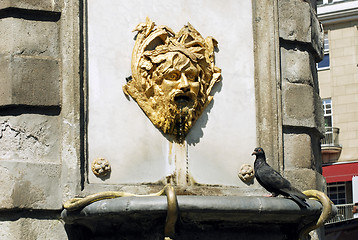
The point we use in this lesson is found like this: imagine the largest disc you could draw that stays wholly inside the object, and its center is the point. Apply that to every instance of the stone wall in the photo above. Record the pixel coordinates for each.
(31, 113)
(301, 46)
(43, 100)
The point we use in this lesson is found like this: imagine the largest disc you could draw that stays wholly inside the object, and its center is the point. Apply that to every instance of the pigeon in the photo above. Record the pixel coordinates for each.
(273, 182)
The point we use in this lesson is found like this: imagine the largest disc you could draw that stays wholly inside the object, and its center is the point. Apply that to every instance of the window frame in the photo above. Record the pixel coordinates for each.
(334, 195)
(326, 53)
(325, 103)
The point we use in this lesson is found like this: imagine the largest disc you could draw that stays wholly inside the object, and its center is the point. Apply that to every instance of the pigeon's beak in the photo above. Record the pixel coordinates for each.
(254, 153)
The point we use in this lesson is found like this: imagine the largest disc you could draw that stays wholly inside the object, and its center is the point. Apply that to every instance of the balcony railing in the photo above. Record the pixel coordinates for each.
(345, 212)
(331, 137)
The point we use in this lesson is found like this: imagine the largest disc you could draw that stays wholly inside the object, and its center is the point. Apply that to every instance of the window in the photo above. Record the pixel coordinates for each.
(324, 64)
(337, 192)
(327, 109)
(331, 136)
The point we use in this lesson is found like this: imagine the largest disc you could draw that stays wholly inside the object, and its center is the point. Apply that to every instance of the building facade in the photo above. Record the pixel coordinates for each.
(338, 80)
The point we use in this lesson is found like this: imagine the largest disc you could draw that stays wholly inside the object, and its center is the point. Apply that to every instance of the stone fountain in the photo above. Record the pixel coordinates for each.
(173, 80)
(170, 156)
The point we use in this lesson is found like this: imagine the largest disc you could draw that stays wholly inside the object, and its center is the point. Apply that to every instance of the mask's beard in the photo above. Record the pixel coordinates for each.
(176, 120)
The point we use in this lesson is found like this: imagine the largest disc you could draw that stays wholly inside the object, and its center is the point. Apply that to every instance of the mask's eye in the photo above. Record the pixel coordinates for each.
(172, 76)
(191, 75)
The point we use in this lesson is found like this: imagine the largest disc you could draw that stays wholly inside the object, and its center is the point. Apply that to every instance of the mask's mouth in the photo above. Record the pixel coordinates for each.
(182, 99)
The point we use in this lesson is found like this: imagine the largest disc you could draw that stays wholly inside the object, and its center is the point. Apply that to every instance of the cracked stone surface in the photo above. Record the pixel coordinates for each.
(32, 138)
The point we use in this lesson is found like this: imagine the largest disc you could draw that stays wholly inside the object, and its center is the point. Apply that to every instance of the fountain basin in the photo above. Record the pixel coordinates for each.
(200, 217)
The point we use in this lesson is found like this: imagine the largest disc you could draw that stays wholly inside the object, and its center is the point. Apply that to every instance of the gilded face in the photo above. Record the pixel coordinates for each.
(180, 83)
(172, 76)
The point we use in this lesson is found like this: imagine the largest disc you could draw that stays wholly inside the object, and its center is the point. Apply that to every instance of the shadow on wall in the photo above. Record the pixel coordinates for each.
(196, 133)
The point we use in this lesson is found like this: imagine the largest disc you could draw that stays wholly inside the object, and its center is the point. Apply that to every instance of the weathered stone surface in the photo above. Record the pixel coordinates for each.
(30, 185)
(305, 179)
(296, 66)
(32, 229)
(317, 38)
(300, 106)
(29, 81)
(295, 20)
(298, 22)
(319, 115)
(47, 5)
(297, 151)
(30, 137)
(24, 37)
(5, 82)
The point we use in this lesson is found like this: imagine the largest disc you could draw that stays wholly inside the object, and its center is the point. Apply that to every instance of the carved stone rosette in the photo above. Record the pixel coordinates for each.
(172, 76)
(246, 173)
(101, 167)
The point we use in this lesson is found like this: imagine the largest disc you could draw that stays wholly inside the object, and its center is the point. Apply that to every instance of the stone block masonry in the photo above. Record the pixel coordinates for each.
(29, 73)
(28, 80)
(298, 23)
(301, 46)
(30, 130)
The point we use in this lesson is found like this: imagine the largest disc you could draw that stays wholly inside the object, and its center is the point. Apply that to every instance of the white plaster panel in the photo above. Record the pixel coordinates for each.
(225, 135)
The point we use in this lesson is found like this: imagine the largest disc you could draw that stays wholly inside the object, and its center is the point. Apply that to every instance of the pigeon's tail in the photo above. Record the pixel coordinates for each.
(299, 201)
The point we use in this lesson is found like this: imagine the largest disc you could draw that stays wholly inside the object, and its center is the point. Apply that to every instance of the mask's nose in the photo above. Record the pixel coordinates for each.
(184, 84)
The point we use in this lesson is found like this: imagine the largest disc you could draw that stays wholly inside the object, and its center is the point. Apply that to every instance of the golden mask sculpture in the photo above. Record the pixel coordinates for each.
(172, 76)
